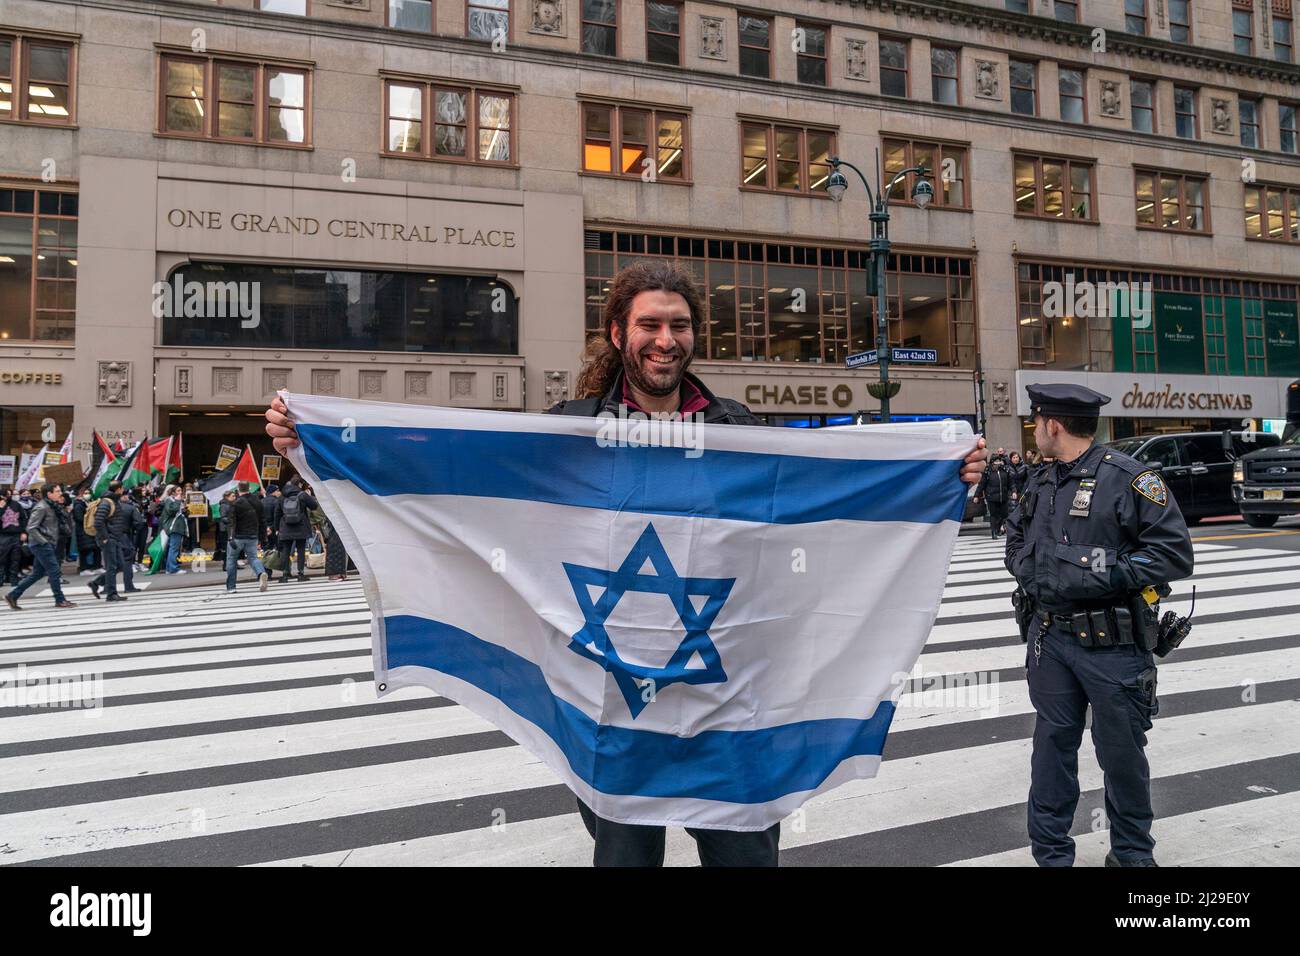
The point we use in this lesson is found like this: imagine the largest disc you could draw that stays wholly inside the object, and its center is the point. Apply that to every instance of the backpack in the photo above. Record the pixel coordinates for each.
(88, 519)
(291, 511)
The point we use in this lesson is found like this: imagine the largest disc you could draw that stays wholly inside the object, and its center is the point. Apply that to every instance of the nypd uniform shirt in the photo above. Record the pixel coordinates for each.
(1083, 538)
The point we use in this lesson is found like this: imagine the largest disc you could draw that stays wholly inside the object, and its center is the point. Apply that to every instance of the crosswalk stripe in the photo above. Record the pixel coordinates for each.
(257, 710)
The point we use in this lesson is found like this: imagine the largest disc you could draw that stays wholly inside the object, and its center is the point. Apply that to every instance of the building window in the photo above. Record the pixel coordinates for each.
(38, 265)
(755, 45)
(1180, 21)
(36, 79)
(600, 27)
(943, 74)
(663, 32)
(1286, 121)
(297, 8)
(236, 101)
(945, 165)
(1171, 201)
(1072, 96)
(414, 15)
(642, 139)
(1063, 341)
(1066, 11)
(1248, 120)
(1282, 43)
(1135, 17)
(1024, 87)
(783, 158)
(1018, 6)
(1141, 94)
(487, 19)
(1273, 212)
(343, 309)
(1051, 188)
(468, 124)
(755, 311)
(1185, 112)
(893, 67)
(1243, 29)
(811, 60)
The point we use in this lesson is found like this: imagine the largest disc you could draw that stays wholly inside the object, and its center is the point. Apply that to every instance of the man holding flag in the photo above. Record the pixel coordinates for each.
(651, 318)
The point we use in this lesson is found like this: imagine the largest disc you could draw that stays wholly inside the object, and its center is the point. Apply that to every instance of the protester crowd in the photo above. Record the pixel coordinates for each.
(51, 531)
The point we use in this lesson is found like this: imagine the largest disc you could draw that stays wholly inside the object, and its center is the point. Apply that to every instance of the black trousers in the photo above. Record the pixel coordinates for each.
(286, 549)
(997, 517)
(1119, 685)
(626, 844)
(11, 556)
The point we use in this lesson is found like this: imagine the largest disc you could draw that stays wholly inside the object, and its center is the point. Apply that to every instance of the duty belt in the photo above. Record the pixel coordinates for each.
(1100, 627)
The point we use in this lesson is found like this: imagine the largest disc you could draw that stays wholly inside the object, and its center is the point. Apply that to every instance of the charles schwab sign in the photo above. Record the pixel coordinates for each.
(1170, 396)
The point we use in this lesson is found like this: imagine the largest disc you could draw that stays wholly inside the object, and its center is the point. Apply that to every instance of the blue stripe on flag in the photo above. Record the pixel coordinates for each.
(741, 766)
(575, 470)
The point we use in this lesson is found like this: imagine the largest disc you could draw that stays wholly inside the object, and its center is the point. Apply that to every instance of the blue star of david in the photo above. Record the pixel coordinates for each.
(593, 641)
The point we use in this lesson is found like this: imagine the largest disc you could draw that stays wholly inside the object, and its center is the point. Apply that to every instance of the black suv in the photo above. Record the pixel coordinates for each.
(1196, 466)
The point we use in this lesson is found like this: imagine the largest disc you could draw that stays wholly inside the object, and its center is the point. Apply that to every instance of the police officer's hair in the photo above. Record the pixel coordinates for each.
(1077, 425)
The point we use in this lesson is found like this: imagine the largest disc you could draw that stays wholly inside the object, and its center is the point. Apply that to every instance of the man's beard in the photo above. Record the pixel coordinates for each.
(659, 382)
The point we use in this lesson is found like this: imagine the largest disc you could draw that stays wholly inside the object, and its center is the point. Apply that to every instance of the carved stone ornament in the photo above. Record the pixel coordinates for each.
(417, 384)
(225, 381)
(1111, 102)
(350, 4)
(1220, 117)
(183, 380)
(114, 383)
(855, 59)
(988, 80)
(500, 392)
(372, 383)
(713, 43)
(548, 18)
(557, 387)
(274, 379)
(324, 381)
(462, 385)
(1001, 398)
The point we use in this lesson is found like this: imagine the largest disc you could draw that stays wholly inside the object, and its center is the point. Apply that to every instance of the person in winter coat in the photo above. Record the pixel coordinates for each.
(293, 526)
(174, 520)
(116, 520)
(13, 524)
(270, 540)
(998, 489)
(44, 525)
(88, 557)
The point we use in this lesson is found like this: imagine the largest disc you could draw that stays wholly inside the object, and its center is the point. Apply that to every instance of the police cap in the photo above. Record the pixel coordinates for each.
(1073, 401)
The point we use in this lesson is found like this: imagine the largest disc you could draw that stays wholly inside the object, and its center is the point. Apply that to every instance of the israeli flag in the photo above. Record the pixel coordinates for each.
(695, 639)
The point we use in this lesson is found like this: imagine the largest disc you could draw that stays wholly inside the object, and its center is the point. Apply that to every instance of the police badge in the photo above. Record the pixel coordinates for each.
(1152, 487)
(1082, 503)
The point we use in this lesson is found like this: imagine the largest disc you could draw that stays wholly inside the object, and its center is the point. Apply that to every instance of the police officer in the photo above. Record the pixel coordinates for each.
(1094, 529)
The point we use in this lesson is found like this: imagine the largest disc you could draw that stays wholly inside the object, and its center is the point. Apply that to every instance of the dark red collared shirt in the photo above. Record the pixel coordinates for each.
(693, 399)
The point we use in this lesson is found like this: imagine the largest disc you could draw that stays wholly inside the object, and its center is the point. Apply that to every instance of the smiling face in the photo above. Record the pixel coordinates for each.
(659, 343)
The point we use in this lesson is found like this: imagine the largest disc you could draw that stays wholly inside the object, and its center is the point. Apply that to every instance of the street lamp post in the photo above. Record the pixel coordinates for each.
(922, 193)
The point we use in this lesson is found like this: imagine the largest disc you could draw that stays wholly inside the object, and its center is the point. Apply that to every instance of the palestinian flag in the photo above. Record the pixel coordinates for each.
(113, 470)
(157, 454)
(158, 553)
(218, 483)
(173, 468)
(65, 453)
(135, 466)
(101, 458)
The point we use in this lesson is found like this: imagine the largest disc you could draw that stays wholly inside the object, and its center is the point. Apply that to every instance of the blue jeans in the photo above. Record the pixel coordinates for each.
(236, 547)
(46, 565)
(174, 544)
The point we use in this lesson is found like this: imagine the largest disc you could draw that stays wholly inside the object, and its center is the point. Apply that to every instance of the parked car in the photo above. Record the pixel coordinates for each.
(1266, 480)
(1196, 466)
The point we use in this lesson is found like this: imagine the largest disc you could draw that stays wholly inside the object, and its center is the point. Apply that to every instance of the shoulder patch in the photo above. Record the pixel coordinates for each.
(1151, 486)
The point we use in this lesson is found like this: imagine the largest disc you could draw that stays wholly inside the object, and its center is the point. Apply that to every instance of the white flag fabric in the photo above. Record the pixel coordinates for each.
(698, 640)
